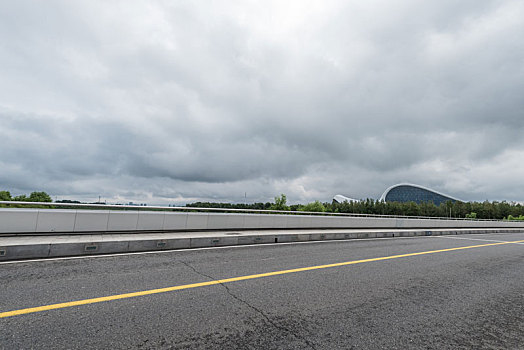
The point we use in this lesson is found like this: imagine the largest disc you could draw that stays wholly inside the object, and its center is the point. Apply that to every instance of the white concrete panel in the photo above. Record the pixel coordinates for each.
(91, 220)
(439, 223)
(457, 224)
(315, 222)
(175, 221)
(122, 220)
(410, 223)
(338, 222)
(279, 221)
(217, 221)
(56, 220)
(466, 224)
(359, 222)
(293, 221)
(421, 224)
(266, 221)
(196, 221)
(251, 221)
(304, 221)
(435, 223)
(235, 221)
(481, 224)
(399, 223)
(330, 221)
(335, 221)
(389, 223)
(18, 220)
(322, 221)
(353, 222)
(341, 222)
(150, 220)
(327, 221)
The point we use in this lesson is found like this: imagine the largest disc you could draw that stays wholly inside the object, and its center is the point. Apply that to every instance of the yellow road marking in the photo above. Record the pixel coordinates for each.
(228, 280)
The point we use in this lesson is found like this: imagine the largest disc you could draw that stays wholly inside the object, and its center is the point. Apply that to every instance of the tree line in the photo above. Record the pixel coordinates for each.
(33, 197)
(473, 210)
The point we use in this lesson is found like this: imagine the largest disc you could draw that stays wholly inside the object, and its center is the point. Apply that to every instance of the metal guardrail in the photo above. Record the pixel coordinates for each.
(228, 210)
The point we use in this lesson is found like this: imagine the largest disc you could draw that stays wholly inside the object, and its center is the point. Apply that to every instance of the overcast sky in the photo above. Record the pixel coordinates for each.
(166, 102)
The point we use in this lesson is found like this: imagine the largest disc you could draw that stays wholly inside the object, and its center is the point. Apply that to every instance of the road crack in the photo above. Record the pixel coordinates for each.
(252, 307)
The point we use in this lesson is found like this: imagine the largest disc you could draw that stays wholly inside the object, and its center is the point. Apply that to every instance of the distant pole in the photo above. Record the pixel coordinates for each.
(98, 199)
(245, 197)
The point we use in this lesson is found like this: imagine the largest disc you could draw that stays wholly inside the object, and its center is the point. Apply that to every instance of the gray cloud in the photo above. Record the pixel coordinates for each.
(170, 102)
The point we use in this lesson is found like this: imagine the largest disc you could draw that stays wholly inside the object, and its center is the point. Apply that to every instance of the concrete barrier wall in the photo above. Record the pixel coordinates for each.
(65, 220)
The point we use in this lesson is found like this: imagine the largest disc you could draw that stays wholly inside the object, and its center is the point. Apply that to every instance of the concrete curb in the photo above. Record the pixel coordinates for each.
(35, 247)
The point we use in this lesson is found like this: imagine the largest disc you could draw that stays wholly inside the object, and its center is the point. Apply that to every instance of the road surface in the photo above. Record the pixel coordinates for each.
(442, 292)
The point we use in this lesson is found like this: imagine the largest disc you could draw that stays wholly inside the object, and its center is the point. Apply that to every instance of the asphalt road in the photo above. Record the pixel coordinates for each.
(455, 299)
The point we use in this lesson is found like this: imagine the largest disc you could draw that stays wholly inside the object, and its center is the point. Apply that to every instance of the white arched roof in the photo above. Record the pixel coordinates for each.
(340, 198)
(383, 197)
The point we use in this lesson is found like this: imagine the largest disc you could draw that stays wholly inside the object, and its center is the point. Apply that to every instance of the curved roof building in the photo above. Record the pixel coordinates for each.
(341, 199)
(406, 192)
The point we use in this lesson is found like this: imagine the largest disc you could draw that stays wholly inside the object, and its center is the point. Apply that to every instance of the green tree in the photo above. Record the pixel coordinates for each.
(411, 209)
(20, 198)
(471, 215)
(39, 197)
(5, 196)
(314, 206)
(280, 203)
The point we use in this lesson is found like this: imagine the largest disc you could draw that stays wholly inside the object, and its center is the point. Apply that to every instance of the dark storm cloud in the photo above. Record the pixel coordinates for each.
(172, 101)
